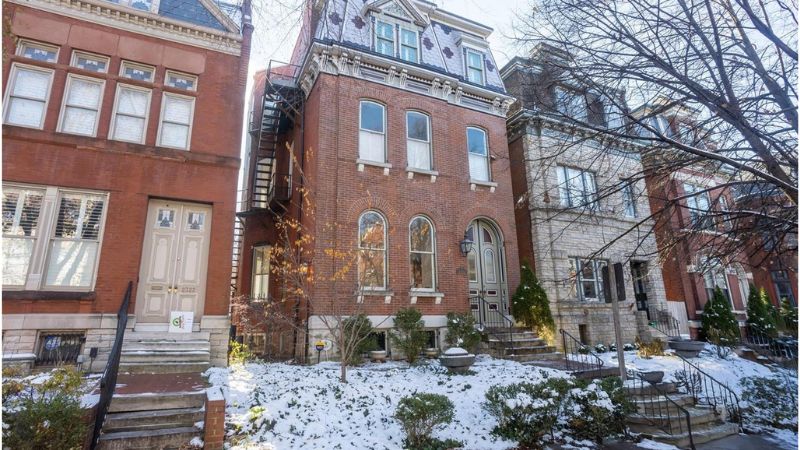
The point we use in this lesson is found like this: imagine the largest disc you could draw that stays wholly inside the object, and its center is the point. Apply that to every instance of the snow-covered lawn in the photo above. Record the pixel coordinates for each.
(312, 409)
(300, 407)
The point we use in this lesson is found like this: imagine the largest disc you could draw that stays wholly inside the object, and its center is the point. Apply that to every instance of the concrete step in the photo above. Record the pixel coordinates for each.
(706, 433)
(156, 401)
(699, 417)
(654, 404)
(591, 374)
(529, 350)
(533, 357)
(154, 419)
(495, 343)
(662, 388)
(552, 356)
(166, 345)
(167, 438)
(131, 336)
(504, 336)
(158, 356)
(163, 366)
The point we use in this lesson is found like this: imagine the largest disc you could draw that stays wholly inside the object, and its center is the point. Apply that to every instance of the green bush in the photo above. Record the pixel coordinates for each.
(409, 334)
(46, 415)
(598, 410)
(769, 402)
(461, 331)
(358, 328)
(759, 312)
(719, 324)
(788, 315)
(239, 353)
(419, 415)
(530, 305)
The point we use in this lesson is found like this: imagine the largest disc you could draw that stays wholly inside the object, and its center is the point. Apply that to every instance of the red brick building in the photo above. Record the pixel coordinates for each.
(121, 139)
(394, 112)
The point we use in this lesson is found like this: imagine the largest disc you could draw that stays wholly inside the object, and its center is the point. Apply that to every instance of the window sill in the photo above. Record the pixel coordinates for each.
(413, 170)
(363, 162)
(48, 295)
(473, 184)
(386, 294)
(415, 294)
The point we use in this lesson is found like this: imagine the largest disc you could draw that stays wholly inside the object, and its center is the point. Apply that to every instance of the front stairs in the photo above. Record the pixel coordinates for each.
(658, 418)
(517, 344)
(161, 352)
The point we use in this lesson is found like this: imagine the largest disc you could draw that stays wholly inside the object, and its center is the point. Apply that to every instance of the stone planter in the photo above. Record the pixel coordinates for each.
(686, 347)
(457, 360)
(654, 376)
(377, 356)
(431, 353)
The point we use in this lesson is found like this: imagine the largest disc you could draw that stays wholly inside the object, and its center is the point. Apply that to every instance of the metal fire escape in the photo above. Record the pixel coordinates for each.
(268, 191)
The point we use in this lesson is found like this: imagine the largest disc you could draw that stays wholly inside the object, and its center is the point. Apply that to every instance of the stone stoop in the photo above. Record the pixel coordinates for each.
(517, 344)
(654, 413)
(155, 411)
(161, 352)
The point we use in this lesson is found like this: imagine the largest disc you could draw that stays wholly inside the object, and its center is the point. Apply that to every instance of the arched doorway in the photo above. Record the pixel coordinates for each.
(487, 275)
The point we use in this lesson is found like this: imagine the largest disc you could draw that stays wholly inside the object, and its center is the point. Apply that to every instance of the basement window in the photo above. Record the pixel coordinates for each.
(55, 348)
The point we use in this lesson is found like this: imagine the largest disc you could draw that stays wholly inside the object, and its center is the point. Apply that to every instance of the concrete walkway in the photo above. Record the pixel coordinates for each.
(736, 442)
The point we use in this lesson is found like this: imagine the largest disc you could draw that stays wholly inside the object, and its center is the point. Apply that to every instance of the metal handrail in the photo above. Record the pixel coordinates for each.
(649, 398)
(766, 345)
(707, 390)
(579, 355)
(108, 382)
(663, 321)
(490, 327)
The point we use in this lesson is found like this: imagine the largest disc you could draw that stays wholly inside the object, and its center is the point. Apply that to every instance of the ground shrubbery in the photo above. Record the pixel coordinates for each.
(760, 312)
(461, 331)
(769, 402)
(648, 350)
(719, 324)
(43, 412)
(530, 305)
(409, 333)
(239, 353)
(419, 415)
(531, 414)
(358, 328)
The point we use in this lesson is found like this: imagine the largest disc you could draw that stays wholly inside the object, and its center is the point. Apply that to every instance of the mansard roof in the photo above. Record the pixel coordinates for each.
(444, 36)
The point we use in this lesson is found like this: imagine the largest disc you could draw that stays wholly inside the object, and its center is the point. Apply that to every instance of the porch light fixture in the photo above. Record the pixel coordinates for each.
(465, 245)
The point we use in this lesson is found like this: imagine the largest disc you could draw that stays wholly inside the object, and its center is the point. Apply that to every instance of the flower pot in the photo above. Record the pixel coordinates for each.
(431, 353)
(457, 360)
(377, 356)
(686, 347)
(654, 376)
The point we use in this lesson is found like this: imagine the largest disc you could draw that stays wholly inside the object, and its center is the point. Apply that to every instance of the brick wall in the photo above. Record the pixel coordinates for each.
(214, 420)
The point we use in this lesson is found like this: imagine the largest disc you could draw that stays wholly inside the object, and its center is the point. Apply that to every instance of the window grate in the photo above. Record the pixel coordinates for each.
(55, 348)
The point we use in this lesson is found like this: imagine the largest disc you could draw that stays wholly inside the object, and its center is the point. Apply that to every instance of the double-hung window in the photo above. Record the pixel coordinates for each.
(418, 140)
(371, 251)
(131, 110)
(51, 244)
(260, 282)
(478, 151)
(577, 188)
(384, 38)
(176, 121)
(783, 286)
(372, 132)
(715, 277)
(81, 110)
(27, 94)
(474, 66)
(699, 206)
(589, 279)
(409, 45)
(571, 104)
(629, 199)
(422, 248)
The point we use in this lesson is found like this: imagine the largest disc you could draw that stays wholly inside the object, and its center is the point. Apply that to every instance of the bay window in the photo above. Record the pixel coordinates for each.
(422, 246)
(418, 140)
(176, 121)
(81, 110)
(372, 132)
(371, 251)
(577, 188)
(478, 154)
(26, 96)
(131, 110)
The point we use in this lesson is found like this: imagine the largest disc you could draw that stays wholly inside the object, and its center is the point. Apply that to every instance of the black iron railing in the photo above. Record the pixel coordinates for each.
(579, 356)
(768, 346)
(663, 321)
(707, 390)
(108, 382)
(654, 405)
(492, 320)
(55, 349)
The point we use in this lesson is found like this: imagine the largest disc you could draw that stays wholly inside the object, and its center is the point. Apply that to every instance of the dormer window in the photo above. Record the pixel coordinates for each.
(571, 104)
(475, 67)
(409, 45)
(384, 38)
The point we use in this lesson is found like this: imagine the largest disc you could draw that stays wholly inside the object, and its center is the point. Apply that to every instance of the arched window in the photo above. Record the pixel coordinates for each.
(418, 140)
(372, 132)
(372, 251)
(422, 245)
(478, 154)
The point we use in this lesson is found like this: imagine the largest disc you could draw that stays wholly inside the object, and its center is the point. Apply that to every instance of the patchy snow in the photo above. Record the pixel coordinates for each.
(653, 445)
(18, 356)
(300, 407)
(784, 439)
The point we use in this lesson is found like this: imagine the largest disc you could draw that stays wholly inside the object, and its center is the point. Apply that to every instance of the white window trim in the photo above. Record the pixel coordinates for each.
(161, 120)
(395, 44)
(385, 149)
(488, 157)
(563, 170)
(597, 280)
(429, 169)
(400, 43)
(267, 250)
(629, 188)
(434, 267)
(76, 53)
(385, 250)
(183, 75)
(61, 116)
(480, 53)
(36, 238)
(112, 129)
(10, 87)
(134, 65)
(46, 227)
(28, 42)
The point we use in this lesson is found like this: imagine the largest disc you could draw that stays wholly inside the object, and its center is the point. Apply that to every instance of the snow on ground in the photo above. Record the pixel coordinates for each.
(312, 409)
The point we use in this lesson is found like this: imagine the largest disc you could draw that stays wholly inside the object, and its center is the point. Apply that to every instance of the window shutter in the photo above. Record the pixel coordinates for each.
(606, 283)
(619, 280)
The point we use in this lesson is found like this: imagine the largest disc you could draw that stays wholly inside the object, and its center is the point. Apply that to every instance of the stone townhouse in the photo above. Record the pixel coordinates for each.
(394, 111)
(121, 140)
(692, 230)
(577, 197)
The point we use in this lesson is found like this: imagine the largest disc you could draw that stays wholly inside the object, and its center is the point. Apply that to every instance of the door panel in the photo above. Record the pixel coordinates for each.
(486, 273)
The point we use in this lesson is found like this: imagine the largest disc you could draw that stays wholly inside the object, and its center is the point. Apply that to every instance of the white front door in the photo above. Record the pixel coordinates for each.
(172, 276)
(486, 275)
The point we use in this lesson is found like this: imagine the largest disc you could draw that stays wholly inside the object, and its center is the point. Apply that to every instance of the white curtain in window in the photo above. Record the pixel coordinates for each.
(84, 93)
(419, 155)
(132, 102)
(71, 263)
(31, 84)
(16, 256)
(80, 111)
(131, 111)
(175, 122)
(371, 146)
(79, 121)
(27, 99)
(129, 128)
(478, 167)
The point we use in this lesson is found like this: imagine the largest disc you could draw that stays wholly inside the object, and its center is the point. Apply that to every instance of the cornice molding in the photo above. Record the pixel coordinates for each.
(338, 60)
(140, 22)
